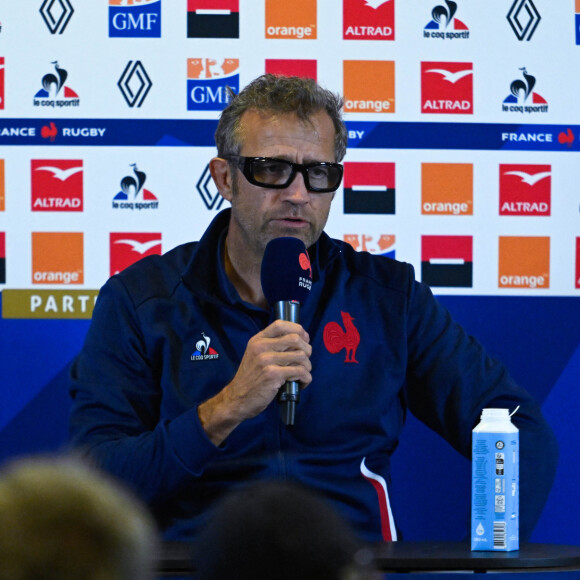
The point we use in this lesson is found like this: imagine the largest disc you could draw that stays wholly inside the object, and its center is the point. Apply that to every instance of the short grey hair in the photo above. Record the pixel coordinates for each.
(280, 94)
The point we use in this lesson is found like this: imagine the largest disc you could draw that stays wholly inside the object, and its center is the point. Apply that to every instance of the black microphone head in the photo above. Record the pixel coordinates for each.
(286, 272)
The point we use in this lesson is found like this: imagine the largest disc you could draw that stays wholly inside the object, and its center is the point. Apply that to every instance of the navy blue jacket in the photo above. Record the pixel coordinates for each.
(169, 332)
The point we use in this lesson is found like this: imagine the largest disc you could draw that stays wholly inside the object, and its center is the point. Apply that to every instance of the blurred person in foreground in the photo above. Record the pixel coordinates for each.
(281, 530)
(60, 520)
(174, 390)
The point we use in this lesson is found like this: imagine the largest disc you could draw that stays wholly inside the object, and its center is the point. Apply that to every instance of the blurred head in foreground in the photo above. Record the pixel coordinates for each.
(278, 530)
(61, 520)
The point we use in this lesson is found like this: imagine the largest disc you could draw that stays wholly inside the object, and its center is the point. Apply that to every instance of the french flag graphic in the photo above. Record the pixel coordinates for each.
(388, 528)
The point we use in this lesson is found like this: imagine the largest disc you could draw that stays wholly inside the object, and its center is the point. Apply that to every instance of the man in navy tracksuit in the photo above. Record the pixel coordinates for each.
(175, 388)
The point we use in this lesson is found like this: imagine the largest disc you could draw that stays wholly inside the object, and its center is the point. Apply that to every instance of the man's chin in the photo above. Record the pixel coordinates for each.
(306, 235)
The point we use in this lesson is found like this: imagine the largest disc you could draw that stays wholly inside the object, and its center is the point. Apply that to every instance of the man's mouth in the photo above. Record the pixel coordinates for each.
(291, 219)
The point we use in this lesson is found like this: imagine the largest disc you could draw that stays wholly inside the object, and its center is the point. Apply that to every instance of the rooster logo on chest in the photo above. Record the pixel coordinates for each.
(336, 338)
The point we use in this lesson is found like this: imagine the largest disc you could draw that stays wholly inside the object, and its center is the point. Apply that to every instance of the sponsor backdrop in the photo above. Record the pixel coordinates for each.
(463, 159)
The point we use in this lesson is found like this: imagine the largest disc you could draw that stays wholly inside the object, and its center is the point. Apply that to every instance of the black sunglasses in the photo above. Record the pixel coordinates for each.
(319, 176)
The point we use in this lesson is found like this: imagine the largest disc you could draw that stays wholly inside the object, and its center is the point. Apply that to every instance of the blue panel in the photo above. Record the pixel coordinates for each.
(537, 337)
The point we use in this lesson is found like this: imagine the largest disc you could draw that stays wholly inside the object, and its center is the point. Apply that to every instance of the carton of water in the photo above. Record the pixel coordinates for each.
(495, 483)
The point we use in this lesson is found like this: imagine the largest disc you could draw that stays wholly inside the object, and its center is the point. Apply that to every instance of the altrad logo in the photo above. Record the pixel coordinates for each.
(368, 20)
(127, 248)
(57, 185)
(525, 189)
(447, 87)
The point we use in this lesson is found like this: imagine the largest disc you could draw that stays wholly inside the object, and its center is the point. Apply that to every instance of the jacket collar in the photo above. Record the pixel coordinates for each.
(205, 272)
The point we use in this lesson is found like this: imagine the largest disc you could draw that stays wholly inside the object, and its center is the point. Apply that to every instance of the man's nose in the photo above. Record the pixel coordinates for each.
(296, 192)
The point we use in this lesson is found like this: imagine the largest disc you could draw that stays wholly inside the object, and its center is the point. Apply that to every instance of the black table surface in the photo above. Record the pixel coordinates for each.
(175, 557)
(455, 556)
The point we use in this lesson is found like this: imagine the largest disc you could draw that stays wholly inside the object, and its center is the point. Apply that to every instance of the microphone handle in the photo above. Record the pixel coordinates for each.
(289, 393)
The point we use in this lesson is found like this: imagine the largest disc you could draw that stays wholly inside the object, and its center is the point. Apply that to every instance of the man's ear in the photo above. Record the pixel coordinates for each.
(222, 177)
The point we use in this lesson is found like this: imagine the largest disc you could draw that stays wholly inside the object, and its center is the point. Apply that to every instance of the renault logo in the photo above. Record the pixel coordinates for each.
(56, 14)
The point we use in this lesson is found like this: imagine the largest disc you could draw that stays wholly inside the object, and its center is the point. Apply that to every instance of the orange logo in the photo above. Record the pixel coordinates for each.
(447, 189)
(296, 19)
(2, 187)
(57, 258)
(369, 86)
(524, 262)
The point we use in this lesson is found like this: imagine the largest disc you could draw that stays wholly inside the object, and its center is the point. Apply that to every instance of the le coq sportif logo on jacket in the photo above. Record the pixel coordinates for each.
(203, 350)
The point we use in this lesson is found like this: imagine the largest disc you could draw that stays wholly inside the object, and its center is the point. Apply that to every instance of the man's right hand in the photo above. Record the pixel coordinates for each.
(279, 353)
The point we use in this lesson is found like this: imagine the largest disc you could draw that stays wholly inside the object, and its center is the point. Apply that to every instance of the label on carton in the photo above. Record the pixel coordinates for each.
(495, 492)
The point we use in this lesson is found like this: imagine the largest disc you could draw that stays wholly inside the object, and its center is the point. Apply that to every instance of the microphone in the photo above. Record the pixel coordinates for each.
(286, 277)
